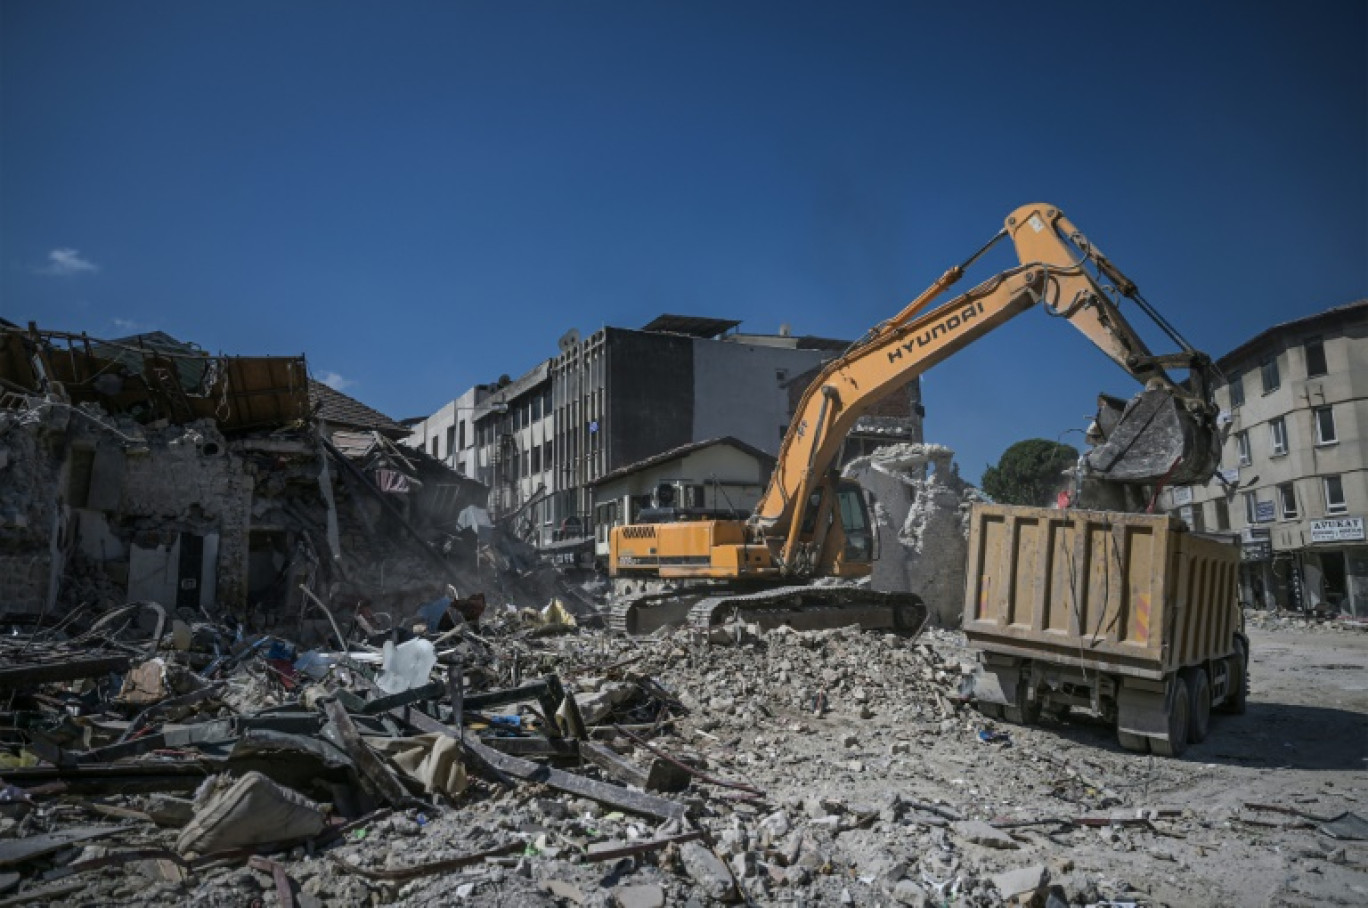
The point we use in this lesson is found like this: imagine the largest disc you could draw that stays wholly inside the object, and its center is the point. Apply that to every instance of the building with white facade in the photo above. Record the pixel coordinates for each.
(1295, 479)
(618, 397)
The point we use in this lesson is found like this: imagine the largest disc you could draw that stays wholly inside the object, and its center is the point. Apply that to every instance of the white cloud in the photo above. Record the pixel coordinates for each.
(128, 326)
(335, 381)
(64, 262)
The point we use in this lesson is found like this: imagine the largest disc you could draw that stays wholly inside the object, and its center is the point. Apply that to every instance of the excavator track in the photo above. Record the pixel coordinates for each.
(799, 607)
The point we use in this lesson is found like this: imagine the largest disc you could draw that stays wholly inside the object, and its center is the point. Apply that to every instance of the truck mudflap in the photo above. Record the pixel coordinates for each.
(798, 607)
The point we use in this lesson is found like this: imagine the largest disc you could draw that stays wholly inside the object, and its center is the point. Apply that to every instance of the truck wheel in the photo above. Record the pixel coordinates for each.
(1237, 697)
(1199, 710)
(1137, 743)
(1024, 711)
(1177, 723)
(991, 710)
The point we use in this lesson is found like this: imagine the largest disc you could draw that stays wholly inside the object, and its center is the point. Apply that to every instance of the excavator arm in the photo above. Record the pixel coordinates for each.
(1166, 434)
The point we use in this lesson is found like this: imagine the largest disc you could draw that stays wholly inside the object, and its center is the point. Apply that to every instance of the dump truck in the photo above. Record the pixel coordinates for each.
(810, 525)
(1130, 616)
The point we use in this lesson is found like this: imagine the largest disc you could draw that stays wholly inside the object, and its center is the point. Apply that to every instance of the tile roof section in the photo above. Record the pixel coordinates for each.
(684, 450)
(338, 409)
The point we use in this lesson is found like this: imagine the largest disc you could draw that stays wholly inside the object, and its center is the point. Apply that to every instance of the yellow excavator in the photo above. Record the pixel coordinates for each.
(810, 531)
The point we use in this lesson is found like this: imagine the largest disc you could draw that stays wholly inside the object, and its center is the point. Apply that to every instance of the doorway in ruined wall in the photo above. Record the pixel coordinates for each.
(179, 570)
(268, 556)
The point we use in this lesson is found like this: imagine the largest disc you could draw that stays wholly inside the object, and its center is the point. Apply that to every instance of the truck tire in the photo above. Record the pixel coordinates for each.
(1199, 707)
(1179, 706)
(1025, 711)
(1238, 662)
(1137, 743)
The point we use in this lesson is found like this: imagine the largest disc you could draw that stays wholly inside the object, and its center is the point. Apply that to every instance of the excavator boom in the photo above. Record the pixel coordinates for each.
(1165, 435)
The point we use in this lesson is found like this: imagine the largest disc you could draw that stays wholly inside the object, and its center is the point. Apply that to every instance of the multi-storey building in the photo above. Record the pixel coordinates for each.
(620, 396)
(1295, 483)
(449, 434)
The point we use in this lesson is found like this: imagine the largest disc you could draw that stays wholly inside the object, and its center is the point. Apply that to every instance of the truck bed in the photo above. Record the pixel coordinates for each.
(1135, 595)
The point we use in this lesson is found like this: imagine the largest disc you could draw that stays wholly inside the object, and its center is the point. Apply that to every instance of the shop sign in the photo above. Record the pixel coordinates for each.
(1182, 495)
(1337, 529)
(1260, 550)
(1254, 534)
(1264, 512)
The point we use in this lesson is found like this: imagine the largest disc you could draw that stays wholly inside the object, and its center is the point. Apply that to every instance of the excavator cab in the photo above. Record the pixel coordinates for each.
(855, 522)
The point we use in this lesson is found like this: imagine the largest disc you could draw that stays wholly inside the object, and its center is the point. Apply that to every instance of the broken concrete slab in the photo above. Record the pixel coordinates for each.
(1022, 883)
(648, 896)
(979, 833)
(708, 872)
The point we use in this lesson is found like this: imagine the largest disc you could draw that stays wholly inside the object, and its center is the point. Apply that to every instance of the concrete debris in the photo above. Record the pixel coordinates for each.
(648, 896)
(921, 512)
(980, 833)
(708, 872)
(1021, 884)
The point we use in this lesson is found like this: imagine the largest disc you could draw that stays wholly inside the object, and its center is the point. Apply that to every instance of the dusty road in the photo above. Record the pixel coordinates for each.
(1302, 745)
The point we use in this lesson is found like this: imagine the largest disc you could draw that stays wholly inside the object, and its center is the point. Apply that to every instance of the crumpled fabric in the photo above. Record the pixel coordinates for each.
(432, 760)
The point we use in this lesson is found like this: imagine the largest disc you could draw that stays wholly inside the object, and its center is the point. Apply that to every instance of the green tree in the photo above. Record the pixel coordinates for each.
(1030, 472)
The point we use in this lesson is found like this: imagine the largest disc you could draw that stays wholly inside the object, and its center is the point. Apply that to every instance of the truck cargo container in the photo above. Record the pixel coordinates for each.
(1130, 616)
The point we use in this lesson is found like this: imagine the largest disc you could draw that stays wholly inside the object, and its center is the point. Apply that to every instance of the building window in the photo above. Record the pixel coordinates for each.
(462, 434)
(1269, 371)
(1242, 448)
(1222, 520)
(1287, 498)
(1325, 426)
(536, 458)
(1315, 357)
(1236, 390)
(1251, 508)
(1334, 495)
(451, 440)
(1277, 431)
(434, 446)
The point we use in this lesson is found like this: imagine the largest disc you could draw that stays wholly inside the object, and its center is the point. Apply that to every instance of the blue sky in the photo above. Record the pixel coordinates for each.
(421, 196)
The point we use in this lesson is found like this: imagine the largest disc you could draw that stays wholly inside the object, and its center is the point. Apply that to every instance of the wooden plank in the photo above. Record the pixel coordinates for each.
(613, 763)
(613, 795)
(63, 670)
(374, 773)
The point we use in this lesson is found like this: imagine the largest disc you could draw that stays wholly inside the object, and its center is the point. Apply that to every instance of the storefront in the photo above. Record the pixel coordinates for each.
(1334, 567)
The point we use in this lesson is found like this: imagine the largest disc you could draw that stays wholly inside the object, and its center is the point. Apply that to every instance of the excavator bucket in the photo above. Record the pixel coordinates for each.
(1152, 438)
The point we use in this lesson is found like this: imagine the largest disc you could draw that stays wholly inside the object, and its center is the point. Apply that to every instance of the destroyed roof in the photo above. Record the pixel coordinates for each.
(690, 325)
(338, 409)
(1332, 317)
(155, 376)
(683, 451)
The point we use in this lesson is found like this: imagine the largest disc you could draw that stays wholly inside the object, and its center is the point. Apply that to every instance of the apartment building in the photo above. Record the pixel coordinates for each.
(618, 397)
(1295, 483)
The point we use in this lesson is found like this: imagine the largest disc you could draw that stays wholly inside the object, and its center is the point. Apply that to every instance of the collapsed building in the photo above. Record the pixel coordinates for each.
(144, 468)
(920, 515)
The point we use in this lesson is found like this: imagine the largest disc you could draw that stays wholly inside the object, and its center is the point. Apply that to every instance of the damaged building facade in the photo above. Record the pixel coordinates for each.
(144, 469)
(622, 396)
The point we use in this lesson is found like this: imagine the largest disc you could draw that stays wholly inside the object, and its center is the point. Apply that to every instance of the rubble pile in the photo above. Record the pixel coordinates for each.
(489, 755)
